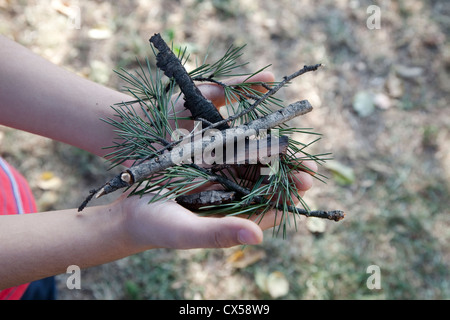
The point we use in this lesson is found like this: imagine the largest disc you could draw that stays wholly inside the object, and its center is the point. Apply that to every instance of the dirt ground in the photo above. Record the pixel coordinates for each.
(381, 103)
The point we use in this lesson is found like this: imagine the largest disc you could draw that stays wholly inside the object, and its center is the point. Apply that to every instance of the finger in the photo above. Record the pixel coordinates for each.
(168, 225)
(208, 232)
(216, 94)
(303, 181)
(310, 166)
(268, 220)
(192, 231)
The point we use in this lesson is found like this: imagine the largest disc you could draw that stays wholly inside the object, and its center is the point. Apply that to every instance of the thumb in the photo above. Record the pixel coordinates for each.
(208, 232)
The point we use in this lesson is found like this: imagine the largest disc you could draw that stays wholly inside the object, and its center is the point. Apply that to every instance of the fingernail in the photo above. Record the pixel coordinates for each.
(246, 237)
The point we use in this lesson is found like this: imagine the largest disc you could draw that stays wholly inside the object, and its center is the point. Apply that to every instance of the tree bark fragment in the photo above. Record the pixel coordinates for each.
(205, 198)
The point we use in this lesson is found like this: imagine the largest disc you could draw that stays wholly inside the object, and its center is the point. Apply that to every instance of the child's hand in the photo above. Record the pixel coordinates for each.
(169, 225)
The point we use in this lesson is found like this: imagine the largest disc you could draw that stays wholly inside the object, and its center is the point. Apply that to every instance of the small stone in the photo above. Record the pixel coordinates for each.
(382, 101)
(315, 225)
(363, 103)
(394, 86)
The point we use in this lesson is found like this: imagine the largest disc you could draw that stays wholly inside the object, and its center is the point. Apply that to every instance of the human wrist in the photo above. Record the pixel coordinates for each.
(132, 223)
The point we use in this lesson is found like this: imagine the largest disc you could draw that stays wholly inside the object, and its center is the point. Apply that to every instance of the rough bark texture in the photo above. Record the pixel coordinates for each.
(195, 102)
(205, 198)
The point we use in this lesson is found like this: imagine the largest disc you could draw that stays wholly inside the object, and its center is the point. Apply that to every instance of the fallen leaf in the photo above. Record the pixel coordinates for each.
(315, 225)
(394, 86)
(382, 101)
(63, 8)
(274, 283)
(47, 200)
(49, 181)
(277, 284)
(260, 280)
(99, 71)
(243, 258)
(363, 103)
(100, 33)
(235, 256)
(406, 72)
(342, 174)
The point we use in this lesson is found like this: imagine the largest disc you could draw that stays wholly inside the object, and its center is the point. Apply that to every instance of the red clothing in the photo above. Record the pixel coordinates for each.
(15, 198)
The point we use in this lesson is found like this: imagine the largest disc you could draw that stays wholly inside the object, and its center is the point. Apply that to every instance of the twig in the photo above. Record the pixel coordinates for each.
(185, 149)
(188, 150)
(224, 122)
(335, 215)
(195, 102)
(210, 197)
(269, 93)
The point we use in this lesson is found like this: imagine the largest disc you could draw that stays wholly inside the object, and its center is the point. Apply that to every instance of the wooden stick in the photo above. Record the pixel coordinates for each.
(195, 102)
(185, 151)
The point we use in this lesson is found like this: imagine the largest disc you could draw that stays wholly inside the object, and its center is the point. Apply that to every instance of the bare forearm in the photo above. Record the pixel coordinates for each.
(40, 97)
(35, 246)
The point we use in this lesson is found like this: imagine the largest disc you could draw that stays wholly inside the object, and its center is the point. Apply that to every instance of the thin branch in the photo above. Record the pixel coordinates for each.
(269, 93)
(188, 150)
(211, 125)
(210, 197)
(195, 102)
(335, 215)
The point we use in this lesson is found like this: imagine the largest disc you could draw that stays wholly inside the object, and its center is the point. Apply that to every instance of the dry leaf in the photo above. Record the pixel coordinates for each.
(342, 174)
(315, 225)
(244, 258)
(235, 256)
(100, 33)
(99, 72)
(363, 103)
(382, 101)
(274, 283)
(277, 284)
(49, 181)
(406, 72)
(394, 86)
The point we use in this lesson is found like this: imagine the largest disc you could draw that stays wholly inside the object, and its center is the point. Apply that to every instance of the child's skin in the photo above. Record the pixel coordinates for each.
(40, 97)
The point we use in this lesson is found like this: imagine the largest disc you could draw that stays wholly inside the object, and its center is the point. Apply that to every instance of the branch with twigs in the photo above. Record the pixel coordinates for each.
(170, 166)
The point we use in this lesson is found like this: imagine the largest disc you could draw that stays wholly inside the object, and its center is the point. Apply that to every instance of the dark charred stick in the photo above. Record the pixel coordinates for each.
(335, 215)
(88, 198)
(195, 102)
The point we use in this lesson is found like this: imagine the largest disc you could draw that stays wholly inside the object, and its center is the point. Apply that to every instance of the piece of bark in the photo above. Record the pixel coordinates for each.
(335, 215)
(205, 198)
